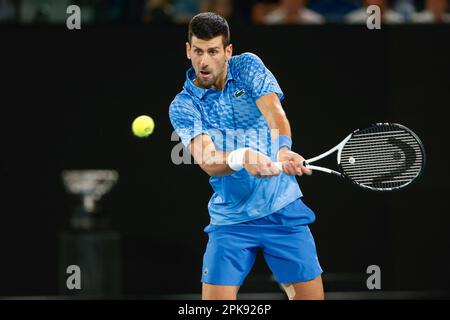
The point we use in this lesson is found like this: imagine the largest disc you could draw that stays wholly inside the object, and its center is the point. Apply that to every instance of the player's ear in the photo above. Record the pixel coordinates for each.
(228, 51)
(188, 48)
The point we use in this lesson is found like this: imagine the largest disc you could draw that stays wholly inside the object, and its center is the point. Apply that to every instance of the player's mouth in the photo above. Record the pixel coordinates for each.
(205, 74)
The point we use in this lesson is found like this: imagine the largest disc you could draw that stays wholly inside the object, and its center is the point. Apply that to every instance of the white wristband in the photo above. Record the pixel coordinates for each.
(235, 159)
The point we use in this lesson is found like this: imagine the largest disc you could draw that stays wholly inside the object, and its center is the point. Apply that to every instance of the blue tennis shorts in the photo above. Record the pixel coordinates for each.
(284, 238)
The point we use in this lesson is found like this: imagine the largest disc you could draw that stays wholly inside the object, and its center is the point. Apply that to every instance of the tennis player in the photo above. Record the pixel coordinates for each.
(230, 117)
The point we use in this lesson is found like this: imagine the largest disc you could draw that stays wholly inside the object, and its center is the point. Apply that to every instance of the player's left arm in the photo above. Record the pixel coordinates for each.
(272, 110)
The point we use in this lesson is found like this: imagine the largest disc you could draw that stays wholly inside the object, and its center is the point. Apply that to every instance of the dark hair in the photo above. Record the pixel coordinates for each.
(208, 25)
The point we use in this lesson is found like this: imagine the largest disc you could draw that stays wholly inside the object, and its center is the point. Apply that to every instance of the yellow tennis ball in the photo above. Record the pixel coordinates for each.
(143, 126)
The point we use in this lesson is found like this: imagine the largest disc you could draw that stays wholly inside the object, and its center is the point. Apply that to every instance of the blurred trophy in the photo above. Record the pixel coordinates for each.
(90, 244)
(90, 186)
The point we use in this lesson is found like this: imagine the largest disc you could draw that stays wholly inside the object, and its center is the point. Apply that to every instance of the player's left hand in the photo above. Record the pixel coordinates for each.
(292, 163)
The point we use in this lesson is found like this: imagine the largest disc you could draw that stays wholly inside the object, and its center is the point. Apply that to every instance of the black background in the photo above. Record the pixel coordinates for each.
(68, 99)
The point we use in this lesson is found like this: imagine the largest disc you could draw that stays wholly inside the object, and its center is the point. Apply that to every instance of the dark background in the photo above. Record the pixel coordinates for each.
(68, 99)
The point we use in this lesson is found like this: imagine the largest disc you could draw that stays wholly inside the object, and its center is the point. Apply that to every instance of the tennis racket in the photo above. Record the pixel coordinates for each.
(382, 157)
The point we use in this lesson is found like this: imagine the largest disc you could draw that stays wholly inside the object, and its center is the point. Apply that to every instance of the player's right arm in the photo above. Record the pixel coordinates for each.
(217, 163)
(187, 122)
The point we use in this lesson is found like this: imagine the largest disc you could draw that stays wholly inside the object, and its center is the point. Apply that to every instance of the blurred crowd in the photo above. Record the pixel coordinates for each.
(269, 12)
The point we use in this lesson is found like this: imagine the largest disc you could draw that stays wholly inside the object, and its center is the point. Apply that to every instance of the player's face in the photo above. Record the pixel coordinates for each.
(209, 60)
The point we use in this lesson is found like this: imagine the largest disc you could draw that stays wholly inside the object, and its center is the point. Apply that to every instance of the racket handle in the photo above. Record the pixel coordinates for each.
(279, 165)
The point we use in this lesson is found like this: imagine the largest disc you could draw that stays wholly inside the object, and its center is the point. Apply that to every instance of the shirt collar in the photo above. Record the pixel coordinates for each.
(200, 92)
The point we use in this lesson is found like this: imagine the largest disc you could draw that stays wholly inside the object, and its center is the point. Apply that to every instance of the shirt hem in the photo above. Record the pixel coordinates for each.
(257, 217)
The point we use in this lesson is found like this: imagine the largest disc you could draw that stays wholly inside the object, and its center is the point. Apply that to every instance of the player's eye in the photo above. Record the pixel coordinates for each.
(198, 51)
(213, 52)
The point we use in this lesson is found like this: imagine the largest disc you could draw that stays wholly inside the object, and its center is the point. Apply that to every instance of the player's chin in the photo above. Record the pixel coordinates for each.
(206, 84)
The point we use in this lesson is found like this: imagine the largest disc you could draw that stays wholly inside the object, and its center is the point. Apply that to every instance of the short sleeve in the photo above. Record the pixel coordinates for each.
(258, 78)
(186, 120)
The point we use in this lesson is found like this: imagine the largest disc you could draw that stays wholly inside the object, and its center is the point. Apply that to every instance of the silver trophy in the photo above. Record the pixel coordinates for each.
(90, 186)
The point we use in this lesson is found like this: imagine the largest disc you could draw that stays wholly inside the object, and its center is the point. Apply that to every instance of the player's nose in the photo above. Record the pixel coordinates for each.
(204, 63)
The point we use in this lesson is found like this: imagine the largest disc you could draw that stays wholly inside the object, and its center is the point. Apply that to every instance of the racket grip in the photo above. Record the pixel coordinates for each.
(279, 165)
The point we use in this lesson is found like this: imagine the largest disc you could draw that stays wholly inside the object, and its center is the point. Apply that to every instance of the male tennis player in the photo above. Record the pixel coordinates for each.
(235, 100)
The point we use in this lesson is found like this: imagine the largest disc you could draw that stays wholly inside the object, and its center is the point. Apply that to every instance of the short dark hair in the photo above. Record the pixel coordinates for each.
(208, 25)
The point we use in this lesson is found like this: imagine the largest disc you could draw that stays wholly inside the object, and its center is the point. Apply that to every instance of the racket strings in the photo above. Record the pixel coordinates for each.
(382, 157)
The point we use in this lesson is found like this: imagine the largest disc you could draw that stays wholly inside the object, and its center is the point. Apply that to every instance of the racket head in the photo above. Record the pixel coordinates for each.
(382, 157)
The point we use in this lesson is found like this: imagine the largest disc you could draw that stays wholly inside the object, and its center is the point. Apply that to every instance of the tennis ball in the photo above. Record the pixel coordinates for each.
(143, 126)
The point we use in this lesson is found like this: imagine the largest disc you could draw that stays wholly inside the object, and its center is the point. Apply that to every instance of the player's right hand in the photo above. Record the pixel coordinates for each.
(260, 165)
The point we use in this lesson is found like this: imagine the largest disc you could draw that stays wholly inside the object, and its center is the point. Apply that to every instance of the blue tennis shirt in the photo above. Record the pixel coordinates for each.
(233, 120)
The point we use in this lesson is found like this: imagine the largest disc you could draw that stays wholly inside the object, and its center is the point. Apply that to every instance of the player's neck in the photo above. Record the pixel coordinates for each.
(221, 83)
